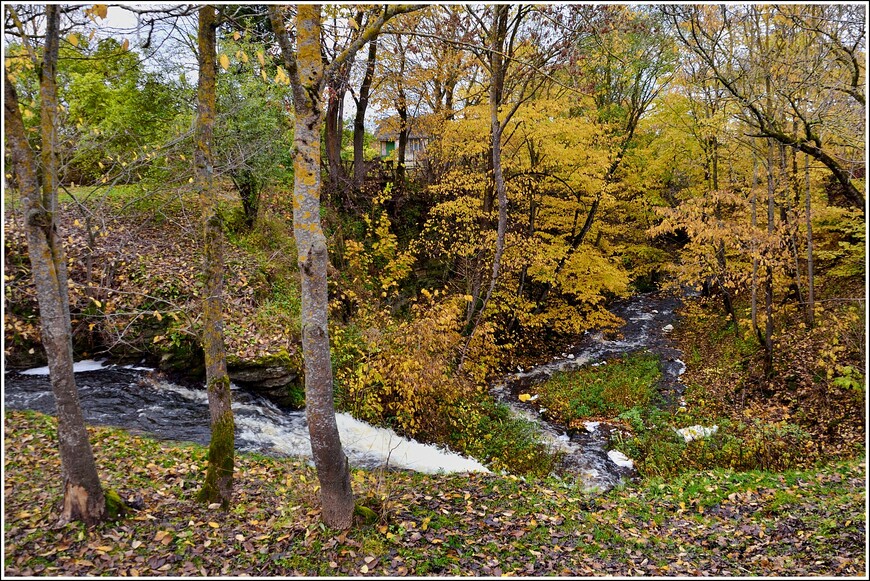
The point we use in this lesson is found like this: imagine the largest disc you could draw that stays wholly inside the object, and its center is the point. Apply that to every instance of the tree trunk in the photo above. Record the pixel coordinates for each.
(83, 497)
(793, 269)
(249, 187)
(811, 301)
(754, 202)
(768, 267)
(496, 87)
(359, 130)
(329, 458)
(720, 245)
(306, 69)
(335, 129)
(402, 110)
(218, 485)
(402, 147)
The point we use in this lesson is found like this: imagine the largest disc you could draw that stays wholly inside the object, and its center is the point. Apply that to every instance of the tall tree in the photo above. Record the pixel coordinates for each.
(305, 66)
(83, 497)
(218, 485)
(720, 36)
(337, 84)
(811, 296)
(251, 142)
(362, 104)
(507, 49)
(626, 61)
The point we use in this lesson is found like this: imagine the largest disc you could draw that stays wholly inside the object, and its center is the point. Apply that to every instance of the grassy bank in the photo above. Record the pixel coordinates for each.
(712, 522)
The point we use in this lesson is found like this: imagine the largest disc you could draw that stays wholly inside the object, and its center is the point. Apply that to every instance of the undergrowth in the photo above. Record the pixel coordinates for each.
(809, 411)
(602, 391)
(716, 522)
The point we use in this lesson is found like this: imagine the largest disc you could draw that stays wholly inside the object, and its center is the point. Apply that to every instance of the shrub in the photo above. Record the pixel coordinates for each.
(403, 374)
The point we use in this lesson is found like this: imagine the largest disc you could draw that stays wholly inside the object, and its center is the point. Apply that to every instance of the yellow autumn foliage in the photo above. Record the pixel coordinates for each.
(403, 374)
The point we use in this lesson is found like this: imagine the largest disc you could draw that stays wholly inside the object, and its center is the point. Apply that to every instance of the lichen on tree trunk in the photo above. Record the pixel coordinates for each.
(329, 458)
(306, 71)
(218, 486)
(83, 493)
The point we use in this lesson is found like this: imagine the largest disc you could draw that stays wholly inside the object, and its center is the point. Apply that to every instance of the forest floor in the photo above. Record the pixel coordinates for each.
(718, 522)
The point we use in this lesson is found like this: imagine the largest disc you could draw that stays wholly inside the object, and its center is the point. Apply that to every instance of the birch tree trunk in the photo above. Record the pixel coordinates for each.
(218, 486)
(329, 458)
(83, 497)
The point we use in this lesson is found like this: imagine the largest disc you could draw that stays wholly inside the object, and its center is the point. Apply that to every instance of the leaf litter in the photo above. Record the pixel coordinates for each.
(706, 523)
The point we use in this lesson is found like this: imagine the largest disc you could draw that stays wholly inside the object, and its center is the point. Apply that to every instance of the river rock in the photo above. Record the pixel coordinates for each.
(696, 432)
(279, 383)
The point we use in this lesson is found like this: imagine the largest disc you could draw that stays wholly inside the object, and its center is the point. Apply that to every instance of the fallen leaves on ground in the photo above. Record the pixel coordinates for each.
(707, 523)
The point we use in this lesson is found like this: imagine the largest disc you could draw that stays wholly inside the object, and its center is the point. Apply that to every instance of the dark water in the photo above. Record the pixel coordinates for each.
(586, 452)
(142, 401)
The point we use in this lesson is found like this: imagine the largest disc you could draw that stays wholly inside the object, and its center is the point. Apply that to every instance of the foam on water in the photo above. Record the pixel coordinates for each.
(170, 410)
(266, 436)
(620, 459)
(366, 440)
(78, 367)
(197, 395)
(262, 425)
(86, 365)
(697, 432)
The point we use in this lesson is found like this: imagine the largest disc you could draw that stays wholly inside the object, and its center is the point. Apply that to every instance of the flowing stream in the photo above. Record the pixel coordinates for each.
(648, 319)
(143, 401)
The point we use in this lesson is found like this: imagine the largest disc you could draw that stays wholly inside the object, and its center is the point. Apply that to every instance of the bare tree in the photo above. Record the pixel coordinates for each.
(720, 36)
(83, 497)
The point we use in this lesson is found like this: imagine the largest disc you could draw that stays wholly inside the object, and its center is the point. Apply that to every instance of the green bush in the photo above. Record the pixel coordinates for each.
(488, 431)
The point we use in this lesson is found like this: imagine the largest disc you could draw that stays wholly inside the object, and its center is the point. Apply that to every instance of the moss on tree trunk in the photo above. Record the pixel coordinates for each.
(218, 485)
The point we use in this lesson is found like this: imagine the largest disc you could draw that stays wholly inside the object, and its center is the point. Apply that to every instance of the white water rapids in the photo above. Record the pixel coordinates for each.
(129, 397)
(136, 399)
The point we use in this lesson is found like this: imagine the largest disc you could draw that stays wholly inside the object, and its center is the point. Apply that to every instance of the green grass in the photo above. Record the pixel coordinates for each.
(89, 195)
(488, 431)
(603, 391)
